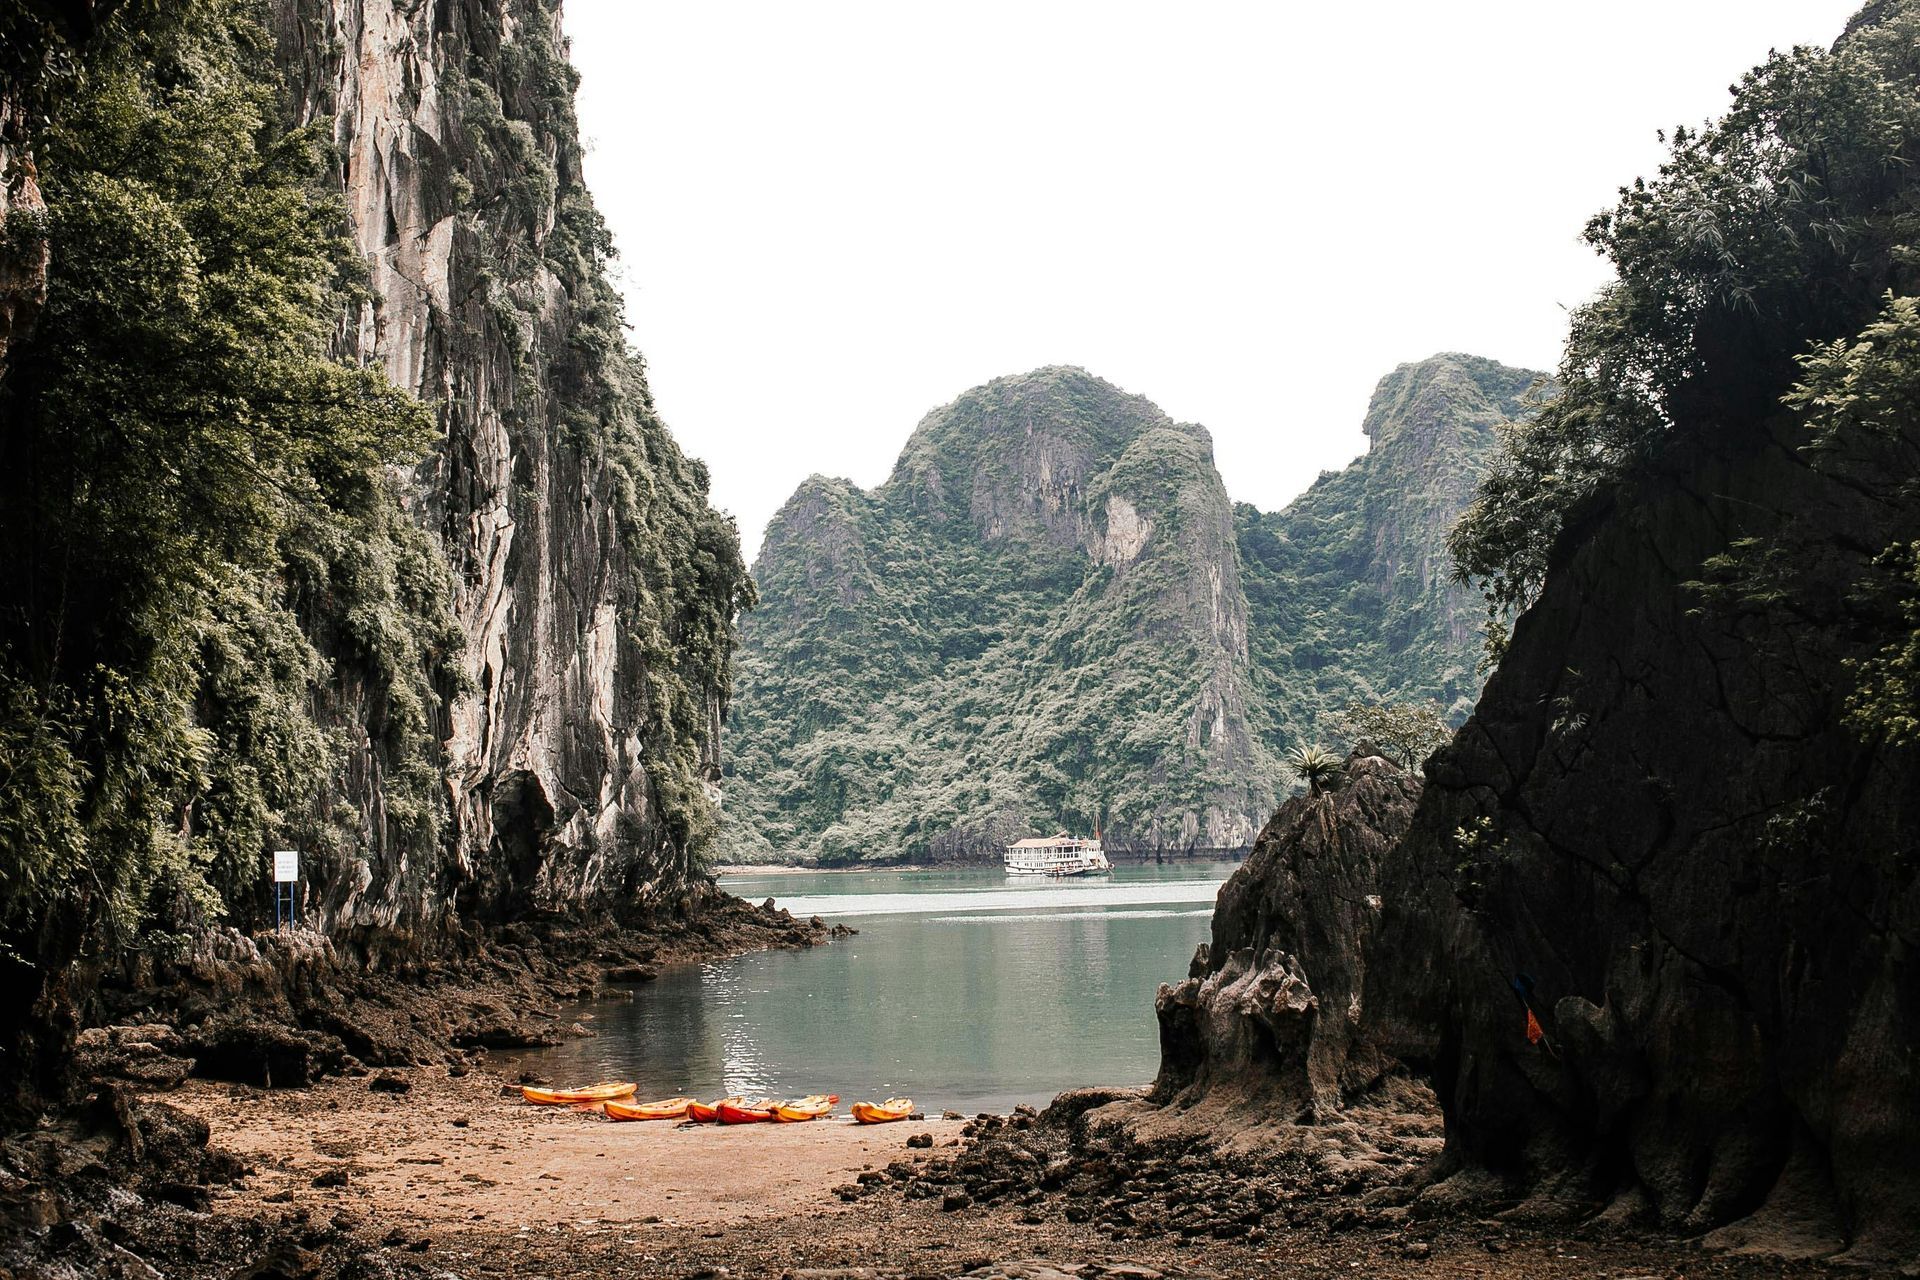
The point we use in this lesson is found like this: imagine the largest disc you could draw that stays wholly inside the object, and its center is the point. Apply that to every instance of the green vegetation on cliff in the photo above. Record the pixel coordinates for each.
(1051, 614)
(978, 644)
(230, 618)
(1781, 225)
(1350, 590)
(193, 493)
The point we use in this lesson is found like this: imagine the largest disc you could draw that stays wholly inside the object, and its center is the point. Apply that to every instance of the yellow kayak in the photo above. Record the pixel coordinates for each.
(605, 1091)
(665, 1109)
(811, 1107)
(882, 1112)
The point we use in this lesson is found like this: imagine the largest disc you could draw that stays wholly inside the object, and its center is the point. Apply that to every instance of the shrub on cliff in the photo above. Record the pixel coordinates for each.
(204, 550)
(1776, 227)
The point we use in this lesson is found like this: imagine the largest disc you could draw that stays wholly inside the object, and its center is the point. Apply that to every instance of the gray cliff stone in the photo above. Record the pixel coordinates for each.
(1273, 1006)
(552, 492)
(1657, 835)
(1703, 881)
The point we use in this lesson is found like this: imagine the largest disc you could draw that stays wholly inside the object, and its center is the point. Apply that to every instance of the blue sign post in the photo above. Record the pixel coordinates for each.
(286, 879)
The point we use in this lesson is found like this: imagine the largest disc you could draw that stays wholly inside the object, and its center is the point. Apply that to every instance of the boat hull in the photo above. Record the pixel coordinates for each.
(665, 1109)
(804, 1109)
(882, 1112)
(742, 1114)
(1055, 857)
(589, 1095)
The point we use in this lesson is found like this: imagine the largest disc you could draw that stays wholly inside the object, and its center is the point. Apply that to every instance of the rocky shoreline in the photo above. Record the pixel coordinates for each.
(114, 1180)
(354, 1179)
(291, 1007)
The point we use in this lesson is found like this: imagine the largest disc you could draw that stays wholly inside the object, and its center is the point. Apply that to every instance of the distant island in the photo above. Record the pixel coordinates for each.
(1051, 614)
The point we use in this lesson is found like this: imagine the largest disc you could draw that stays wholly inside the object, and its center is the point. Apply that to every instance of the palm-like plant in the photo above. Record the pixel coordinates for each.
(1314, 765)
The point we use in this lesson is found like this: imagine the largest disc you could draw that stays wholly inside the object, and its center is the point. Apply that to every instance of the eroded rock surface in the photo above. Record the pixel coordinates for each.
(1274, 1003)
(593, 583)
(1657, 834)
(1658, 838)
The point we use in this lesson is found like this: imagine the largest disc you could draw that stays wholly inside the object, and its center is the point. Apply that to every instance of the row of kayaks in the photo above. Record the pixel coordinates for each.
(615, 1098)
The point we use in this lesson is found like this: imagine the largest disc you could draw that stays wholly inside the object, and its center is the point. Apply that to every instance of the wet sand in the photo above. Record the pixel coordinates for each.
(471, 1183)
(454, 1151)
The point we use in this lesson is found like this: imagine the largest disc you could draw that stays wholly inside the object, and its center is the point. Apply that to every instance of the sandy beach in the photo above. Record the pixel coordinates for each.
(454, 1151)
(456, 1174)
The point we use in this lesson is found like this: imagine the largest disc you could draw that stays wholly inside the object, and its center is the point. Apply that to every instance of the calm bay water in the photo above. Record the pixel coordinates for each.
(963, 989)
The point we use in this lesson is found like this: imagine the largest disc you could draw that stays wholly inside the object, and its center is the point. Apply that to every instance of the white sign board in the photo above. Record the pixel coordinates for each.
(286, 865)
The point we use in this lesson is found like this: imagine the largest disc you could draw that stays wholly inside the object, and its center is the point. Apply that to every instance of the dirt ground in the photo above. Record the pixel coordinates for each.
(454, 1152)
(473, 1183)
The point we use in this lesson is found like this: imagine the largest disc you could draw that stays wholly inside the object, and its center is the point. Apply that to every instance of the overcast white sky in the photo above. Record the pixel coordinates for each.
(835, 216)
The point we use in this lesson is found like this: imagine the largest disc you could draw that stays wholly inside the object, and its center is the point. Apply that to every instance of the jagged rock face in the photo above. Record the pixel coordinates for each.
(453, 125)
(1657, 824)
(946, 662)
(23, 63)
(1656, 835)
(1052, 611)
(23, 259)
(1350, 587)
(1273, 1007)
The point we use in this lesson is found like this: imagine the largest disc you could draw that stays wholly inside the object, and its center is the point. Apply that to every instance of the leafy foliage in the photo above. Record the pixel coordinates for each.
(194, 492)
(1776, 226)
(1858, 400)
(1315, 766)
(1408, 732)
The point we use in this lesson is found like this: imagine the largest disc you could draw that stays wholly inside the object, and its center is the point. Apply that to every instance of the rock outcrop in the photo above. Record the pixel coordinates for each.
(1650, 929)
(1658, 834)
(593, 583)
(1658, 838)
(1272, 1009)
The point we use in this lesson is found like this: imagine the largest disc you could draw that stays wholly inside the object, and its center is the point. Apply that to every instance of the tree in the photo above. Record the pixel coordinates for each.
(202, 536)
(1778, 226)
(1314, 765)
(1407, 732)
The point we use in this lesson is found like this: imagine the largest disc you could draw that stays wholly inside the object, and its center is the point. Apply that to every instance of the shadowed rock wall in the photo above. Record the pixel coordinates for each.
(1657, 835)
(1272, 1006)
(1705, 883)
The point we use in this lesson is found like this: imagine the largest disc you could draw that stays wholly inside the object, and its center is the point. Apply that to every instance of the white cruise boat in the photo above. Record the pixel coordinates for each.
(1057, 855)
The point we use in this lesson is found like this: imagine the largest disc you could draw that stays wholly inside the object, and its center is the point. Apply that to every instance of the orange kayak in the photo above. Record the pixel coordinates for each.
(605, 1091)
(883, 1112)
(758, 1112)
(809, 1108)
(665, 1109)
(708, 1112)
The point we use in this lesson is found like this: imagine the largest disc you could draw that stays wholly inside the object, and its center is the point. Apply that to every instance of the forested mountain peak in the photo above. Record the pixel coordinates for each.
(1017, 458)
(1051, 613)
(1419, 403)
(1350, 587)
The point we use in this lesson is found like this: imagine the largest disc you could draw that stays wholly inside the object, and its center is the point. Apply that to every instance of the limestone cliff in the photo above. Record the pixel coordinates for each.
(1038, 618)
(1350, 587)
(1650, 929)
(593, 583)
(1052, 613)
(1272, 1008)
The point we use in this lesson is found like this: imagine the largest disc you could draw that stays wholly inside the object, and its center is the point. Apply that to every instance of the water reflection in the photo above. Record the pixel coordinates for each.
(977, 1008)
